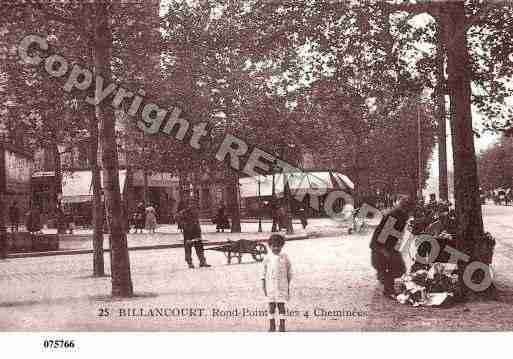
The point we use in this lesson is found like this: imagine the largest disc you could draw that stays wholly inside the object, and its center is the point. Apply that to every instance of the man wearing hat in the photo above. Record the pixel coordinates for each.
(385, 258)
(188, 218)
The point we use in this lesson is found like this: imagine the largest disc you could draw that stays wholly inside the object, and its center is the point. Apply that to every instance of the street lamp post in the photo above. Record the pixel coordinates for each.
(286, 194)
(273, 199)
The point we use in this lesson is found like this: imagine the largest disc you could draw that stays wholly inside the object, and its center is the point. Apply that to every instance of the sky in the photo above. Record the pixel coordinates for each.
(482, 143)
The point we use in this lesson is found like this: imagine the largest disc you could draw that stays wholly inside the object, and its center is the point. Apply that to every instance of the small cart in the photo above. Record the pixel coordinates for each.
(240, 247)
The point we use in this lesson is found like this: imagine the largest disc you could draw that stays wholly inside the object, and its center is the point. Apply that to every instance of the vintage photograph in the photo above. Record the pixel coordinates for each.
(256, 166)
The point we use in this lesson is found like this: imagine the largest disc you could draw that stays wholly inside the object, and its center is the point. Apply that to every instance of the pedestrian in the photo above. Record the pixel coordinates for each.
(221, 220)
(181, 207)
(282, 218)
(432, 206)
(33, 220)
(276, 278)
(14, 216)
(61, 220)
(385, 258)
(139, 217)
(157, 213)
(303, 217)
(274, 215)
(188, 220)
(70, 222)
(151, 219)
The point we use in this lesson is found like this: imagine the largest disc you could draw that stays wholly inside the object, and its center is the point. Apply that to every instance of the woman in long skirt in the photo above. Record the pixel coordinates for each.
(151, 219)
(221, 220)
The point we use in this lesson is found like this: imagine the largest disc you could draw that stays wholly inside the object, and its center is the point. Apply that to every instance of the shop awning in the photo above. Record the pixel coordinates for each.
(77, 186)
(298, 182)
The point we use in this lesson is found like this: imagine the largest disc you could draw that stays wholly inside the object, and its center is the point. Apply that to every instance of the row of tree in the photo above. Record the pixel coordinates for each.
(348, 81)
(496, 166)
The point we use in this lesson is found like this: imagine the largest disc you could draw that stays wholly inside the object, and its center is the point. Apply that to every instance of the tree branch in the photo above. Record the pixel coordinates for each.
(429, 7)
(55, 15)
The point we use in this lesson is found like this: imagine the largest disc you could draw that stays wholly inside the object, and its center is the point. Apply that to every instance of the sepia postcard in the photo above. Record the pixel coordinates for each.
(255, 166)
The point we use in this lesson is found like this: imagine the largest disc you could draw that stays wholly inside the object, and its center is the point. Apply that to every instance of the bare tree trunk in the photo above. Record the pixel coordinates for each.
(3, 230)
(443, 187)
(128, 195)
(120, 264)
(98, 215)
(58, 183)
(233, 202)
(290, 213)
(146, 198)
(468, 207)
(466, 184)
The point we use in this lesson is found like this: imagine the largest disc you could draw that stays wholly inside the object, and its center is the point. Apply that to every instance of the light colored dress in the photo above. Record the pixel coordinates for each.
(277, 273)
(151, 218)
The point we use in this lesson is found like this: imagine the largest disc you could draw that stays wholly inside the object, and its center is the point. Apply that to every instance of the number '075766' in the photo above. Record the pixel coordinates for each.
(58, 344)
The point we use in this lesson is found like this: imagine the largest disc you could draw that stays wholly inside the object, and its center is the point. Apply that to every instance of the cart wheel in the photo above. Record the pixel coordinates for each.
(260, 250)
(240, 258)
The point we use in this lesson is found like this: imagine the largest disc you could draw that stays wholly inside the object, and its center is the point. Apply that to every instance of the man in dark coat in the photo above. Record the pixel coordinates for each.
(139, 217)
(385, 258)
(188, 219)
(14, 217)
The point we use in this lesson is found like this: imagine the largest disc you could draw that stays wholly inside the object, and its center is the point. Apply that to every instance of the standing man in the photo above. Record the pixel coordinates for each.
(385, 258)
(303, 217)
(139, 217)
(34, 220)
(14, 216)
(188, 220)
(432, 205)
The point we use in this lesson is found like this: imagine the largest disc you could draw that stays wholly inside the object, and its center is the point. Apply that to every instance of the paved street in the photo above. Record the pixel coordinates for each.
(499, 221)
(330, 274)
(170, 235)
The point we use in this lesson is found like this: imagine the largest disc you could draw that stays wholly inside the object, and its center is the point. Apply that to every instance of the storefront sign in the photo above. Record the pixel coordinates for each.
(17, 171)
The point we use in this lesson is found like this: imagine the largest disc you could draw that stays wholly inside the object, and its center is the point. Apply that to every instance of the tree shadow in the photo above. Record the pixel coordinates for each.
(106, 275)
(75, 300)
(112, 299)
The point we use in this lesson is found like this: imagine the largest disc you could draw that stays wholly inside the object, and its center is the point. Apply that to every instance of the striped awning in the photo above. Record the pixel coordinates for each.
(298, 182)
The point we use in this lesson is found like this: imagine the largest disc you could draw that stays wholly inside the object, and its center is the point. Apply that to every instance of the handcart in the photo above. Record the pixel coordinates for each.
(240, 247)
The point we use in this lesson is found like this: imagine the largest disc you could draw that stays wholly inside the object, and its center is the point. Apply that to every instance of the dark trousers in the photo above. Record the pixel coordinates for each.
(389, 264)
(198, 247)
(272, 321)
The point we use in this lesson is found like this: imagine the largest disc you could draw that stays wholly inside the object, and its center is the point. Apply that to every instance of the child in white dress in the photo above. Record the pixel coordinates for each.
(276, 277)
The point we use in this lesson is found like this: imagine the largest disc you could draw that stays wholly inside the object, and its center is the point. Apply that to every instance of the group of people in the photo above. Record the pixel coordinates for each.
(385, 256)
(32, 218)
(502, 197)
(440, 212)
(281, 218)
(277, 271)
(144, 217)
